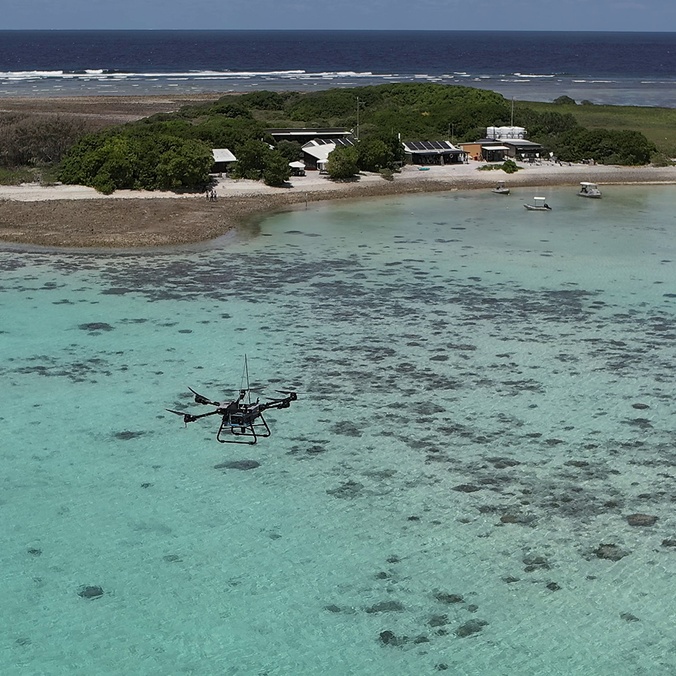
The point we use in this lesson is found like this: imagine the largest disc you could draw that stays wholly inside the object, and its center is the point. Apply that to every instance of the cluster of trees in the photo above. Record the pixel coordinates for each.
(136, 160)
(173, 151)
(374, 153)
(569, 141)
(37, 140)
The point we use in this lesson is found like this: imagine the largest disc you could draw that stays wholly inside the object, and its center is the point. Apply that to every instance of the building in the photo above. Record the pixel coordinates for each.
(432, 152)
(316, 152)
(303, 135)
(520, 149)
(486, 150)
(223, 160)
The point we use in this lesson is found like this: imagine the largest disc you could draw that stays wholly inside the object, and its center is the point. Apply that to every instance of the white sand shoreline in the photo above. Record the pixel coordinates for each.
(78, 217)
(465, 176)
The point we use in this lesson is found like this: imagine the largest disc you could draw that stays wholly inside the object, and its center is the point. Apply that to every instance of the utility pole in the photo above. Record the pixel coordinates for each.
(358, 104)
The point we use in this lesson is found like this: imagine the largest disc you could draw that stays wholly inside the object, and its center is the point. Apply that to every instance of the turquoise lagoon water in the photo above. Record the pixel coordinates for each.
(485, 396)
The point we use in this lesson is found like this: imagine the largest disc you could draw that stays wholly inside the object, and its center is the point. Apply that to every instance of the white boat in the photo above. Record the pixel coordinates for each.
(540, 204)
(501, 189)
(588, 189)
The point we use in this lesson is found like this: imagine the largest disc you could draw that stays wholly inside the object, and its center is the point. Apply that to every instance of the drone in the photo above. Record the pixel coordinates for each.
(240, 417)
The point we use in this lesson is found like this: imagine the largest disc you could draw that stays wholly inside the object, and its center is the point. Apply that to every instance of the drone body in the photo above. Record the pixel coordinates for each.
(242, 421)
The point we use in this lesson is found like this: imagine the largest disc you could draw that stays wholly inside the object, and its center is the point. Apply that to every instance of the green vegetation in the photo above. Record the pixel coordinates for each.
(31, 145)
(508, 166)
(16, 176)
(173, 151)
(343, 163)
(658, 125)
(256, 160)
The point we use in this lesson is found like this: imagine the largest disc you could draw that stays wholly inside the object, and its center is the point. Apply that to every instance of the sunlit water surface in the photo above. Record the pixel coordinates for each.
(485, 395)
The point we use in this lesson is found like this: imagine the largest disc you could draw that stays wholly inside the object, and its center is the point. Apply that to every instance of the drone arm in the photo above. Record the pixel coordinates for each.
(199, 399)
(189, 417)
(279, 403)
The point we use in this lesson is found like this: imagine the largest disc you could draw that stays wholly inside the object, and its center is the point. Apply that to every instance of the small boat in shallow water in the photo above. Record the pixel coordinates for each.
(588, 189)
(501, 189)
(540, 204)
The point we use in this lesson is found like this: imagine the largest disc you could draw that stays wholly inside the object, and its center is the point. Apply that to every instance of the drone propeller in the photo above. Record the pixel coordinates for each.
(199, 399)
(187, 417)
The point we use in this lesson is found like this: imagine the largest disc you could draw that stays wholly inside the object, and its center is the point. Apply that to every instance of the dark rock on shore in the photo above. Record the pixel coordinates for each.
(238, 464)
(469, 628)
(611, 552)
(385, 607)
(90, 592)
(641, 520)
(467, 488)
(628, 617)
(390, 638)
(350, 489)
(449, 598)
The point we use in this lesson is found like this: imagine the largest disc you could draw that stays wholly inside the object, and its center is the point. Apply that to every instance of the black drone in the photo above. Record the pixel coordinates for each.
(240, 417)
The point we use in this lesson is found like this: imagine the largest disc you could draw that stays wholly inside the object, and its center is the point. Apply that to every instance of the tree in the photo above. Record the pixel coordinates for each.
(251, 160)
(186, 165)
(343, 163)
(256, 160)
(277, 170)
(292, 150)
(373, 154)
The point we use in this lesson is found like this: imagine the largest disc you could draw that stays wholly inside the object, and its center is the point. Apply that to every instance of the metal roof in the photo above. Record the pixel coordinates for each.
(307, 131)
(430, 147)
(520, 143)
(325, 141)
(223, 155)
(319, 152)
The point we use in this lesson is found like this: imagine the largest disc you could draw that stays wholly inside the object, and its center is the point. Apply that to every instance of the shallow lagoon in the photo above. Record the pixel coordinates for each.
(485, 395)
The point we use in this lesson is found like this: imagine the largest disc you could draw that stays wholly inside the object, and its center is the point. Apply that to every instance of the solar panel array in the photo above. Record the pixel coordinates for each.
(421, 146)
(336, 141)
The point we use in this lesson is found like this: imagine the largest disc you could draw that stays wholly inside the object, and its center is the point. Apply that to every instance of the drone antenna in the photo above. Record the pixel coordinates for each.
(245, 377)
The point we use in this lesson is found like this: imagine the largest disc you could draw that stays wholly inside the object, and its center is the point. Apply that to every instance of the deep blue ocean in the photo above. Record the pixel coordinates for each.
(614, 68)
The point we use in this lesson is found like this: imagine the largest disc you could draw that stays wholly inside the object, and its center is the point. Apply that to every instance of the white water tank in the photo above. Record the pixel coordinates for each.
(499, 133)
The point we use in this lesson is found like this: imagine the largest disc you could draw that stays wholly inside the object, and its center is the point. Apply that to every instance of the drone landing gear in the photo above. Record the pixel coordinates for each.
(234, 426)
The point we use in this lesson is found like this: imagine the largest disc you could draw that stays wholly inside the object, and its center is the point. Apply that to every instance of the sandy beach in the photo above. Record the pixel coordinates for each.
(79, 217)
